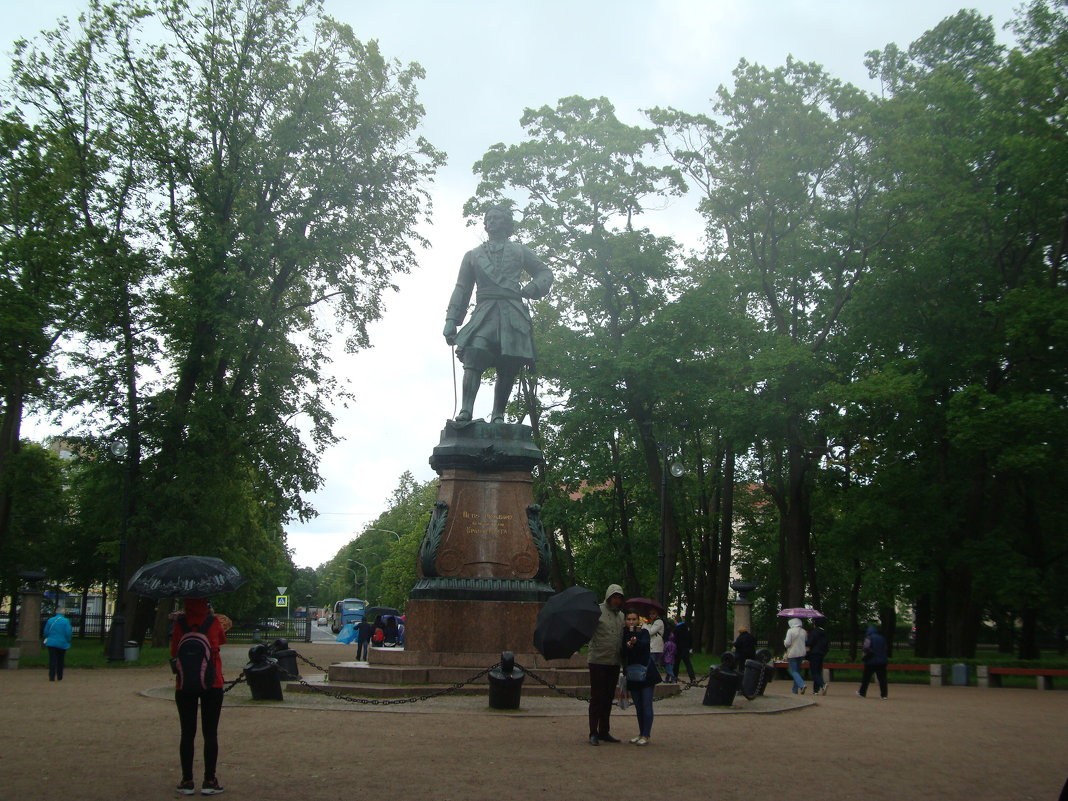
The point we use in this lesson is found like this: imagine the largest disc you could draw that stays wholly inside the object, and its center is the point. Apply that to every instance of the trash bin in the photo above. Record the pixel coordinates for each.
(755, 678)
(132, 651)
(261, 673)
(960, 675)
(505, 683)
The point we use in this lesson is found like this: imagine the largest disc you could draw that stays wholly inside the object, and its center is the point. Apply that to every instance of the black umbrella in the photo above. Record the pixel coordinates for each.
(186, 577)
(566, 622)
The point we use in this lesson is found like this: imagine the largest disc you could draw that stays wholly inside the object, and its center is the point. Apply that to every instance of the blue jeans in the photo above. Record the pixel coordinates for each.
(643, 708)
(795, 671)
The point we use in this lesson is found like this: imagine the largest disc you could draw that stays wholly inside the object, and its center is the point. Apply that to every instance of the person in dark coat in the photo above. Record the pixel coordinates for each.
(683, 649)
(365, 630)
(876, 659)
(818, 644)
(635, 652)
(745, 646)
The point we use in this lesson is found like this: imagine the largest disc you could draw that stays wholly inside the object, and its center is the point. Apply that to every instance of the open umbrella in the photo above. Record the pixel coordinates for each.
(186, 577)
(800, 612)
(566, 622)
(643, 605)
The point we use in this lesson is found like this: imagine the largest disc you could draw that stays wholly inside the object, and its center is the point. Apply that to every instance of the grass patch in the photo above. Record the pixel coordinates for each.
(90, 653)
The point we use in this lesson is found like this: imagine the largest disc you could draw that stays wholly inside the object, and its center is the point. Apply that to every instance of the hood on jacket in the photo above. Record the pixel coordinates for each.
(872, 630)
(794, 622)
(196, 610)
(613, 589)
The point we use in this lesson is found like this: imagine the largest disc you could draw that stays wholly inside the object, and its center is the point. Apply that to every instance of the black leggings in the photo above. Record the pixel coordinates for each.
(210, 709)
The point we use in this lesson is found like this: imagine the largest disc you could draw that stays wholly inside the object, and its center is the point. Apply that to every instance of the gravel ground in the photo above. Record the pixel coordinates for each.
(112, 733)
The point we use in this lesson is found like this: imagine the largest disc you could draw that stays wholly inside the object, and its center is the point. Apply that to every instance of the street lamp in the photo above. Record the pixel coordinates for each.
(388, 531)
(366, 577)
(117, 643)
(676, 470)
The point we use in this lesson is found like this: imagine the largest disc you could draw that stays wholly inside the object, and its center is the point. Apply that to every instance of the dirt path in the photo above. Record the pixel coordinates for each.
(97, 736)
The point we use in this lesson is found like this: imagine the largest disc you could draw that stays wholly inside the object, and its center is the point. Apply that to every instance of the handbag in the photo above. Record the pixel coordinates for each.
(622, 696)
(636, 672)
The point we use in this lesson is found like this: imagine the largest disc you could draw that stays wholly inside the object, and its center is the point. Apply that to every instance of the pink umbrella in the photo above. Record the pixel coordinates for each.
(800, 612)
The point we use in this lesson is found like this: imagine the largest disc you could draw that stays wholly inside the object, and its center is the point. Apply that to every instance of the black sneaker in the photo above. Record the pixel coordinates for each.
(607, 738)
(186, 787)
(211, 787)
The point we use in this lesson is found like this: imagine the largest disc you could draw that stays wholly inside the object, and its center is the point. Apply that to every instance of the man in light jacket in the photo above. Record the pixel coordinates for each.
(603, 658)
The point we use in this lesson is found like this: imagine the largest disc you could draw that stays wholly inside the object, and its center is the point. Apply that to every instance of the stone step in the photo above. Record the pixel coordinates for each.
(534, 661)
(386, 691)
(376, 673)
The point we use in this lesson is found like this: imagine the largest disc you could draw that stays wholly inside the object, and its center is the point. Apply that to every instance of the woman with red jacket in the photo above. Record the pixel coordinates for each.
(197, 613)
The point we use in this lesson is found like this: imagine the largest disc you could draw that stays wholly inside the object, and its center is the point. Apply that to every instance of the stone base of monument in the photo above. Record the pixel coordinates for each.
(392, 673)
(483, 568)
(450, 627)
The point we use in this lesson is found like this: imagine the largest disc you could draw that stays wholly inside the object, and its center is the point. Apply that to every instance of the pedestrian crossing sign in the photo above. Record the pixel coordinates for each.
(281, 600)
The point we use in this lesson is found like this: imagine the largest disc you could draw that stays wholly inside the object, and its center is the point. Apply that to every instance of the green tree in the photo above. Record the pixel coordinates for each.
(274, 154)
(584, 177)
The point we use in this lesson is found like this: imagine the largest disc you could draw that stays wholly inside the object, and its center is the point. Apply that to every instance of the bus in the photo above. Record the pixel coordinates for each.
(347, 610)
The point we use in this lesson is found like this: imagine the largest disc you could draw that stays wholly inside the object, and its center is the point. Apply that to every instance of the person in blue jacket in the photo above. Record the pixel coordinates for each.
(57, 635)
(875, 662)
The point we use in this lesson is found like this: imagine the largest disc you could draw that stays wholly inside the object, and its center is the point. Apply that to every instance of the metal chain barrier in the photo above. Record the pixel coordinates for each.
(229, 685)
(700, 683)
(383, 701)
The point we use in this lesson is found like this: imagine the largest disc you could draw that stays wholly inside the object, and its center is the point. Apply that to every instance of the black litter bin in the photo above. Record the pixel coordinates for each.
(505, 684)
(755, 678)
(261, 673)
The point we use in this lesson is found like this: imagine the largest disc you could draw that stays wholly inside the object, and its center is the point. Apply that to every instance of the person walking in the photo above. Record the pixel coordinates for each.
(198, 618)
(57, 637)
(683, 648)
(875, 659)
(642, 675)
(795, 653)
(603, 658)
(818, 644)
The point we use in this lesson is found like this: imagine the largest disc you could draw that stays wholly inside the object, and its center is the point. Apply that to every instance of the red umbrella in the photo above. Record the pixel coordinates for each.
(643, 605)
(800, 612)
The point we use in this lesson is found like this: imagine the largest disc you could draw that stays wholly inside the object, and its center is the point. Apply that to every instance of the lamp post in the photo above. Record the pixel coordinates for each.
(388, 531)
(676, 470)
(117, 642)
(366, 576)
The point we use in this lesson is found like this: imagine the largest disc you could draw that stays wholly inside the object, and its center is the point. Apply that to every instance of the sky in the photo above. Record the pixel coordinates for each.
(485, 63)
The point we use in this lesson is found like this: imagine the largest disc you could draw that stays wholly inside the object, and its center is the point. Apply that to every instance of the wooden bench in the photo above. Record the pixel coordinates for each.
(991, 676)
(934, 670)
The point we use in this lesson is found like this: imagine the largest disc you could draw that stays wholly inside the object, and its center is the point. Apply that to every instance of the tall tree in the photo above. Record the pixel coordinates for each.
(275, 153)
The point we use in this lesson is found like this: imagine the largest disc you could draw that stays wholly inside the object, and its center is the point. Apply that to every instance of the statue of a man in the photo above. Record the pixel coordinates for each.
(499, 333)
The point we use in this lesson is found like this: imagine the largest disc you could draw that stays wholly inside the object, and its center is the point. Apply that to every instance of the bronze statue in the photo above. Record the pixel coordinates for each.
(499, 333)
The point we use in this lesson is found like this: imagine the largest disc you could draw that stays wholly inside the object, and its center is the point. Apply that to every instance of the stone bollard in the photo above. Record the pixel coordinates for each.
(982, 676)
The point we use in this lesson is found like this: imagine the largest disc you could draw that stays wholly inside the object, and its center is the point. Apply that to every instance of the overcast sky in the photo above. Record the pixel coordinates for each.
(485, 63)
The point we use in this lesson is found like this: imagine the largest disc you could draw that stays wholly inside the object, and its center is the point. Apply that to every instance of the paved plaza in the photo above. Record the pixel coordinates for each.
(113, 734)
